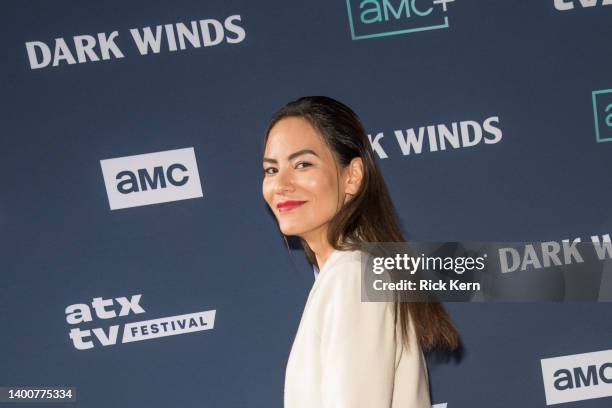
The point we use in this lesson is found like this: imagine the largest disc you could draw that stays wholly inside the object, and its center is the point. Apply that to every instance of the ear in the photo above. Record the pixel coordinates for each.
(353, 176)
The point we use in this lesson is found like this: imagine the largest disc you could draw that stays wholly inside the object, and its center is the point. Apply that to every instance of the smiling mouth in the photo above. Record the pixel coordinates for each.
(288, 205)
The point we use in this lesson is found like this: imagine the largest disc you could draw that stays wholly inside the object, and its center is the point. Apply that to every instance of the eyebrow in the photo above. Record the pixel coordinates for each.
(291, 156)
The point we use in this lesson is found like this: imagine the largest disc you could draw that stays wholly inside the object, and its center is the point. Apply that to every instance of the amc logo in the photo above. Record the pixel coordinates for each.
(152, 178)
(381, 18)
(577, 377)
(602, 110)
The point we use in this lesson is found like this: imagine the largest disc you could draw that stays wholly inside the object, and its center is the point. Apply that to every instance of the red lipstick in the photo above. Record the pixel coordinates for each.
(288, 205)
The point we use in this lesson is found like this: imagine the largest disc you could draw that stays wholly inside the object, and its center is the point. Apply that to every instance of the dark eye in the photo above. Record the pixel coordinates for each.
(269, 170)
(303, 164)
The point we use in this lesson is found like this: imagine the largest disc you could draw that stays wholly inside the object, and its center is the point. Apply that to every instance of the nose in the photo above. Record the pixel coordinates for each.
(284, 182)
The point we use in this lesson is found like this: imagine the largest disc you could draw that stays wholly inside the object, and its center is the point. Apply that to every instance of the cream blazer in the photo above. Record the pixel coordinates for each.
(348, 353)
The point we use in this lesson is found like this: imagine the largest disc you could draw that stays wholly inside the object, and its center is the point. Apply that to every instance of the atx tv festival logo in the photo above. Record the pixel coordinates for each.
(563, 5)
(152, 178)
(381, 18)
(577, 377)
(105, 309)
(602, 109)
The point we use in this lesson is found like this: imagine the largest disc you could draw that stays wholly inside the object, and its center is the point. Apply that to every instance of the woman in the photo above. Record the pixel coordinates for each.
(324, 186)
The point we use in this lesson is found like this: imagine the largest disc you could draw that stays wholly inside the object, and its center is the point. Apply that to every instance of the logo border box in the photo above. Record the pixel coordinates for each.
(389, 33)
(594, 94)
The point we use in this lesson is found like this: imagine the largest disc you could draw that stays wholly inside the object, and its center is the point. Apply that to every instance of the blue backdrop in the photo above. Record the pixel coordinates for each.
(532, 78)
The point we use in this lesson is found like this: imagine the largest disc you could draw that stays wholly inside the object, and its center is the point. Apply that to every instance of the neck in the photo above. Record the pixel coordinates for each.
(317, 241)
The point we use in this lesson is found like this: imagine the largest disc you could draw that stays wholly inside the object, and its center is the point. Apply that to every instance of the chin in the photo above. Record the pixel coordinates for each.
(289, 231)
(292, 229)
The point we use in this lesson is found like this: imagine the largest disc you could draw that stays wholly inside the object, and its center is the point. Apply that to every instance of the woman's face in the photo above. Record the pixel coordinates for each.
(300, 181)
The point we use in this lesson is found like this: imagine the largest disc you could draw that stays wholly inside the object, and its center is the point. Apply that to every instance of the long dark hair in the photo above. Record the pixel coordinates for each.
(370, 215)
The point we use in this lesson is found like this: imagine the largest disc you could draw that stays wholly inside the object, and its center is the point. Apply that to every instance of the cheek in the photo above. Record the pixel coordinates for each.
(322, 190)
(266, 190)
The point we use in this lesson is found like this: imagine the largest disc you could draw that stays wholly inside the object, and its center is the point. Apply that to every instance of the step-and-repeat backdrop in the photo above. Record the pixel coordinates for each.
(139, 264)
